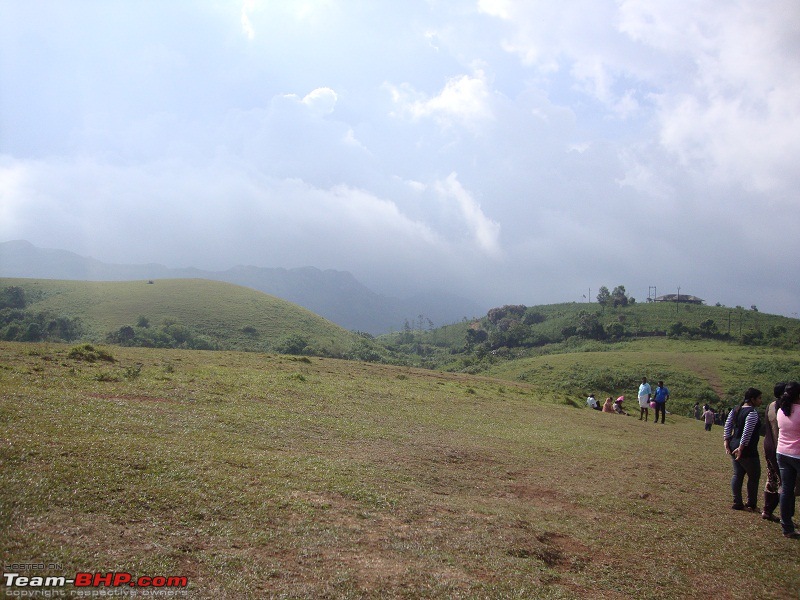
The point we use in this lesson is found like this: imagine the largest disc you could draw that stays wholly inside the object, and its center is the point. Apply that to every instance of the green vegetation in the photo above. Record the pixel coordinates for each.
(175, 313)
(17, 324)
(258, 475)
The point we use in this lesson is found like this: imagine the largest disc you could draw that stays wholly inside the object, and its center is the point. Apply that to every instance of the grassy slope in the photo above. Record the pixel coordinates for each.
(636, 318)
(258, 476)
(216, 309)
(687, 367)
(658, 316)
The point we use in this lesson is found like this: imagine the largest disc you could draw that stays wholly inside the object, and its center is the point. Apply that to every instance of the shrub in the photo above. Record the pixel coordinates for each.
(89, 353)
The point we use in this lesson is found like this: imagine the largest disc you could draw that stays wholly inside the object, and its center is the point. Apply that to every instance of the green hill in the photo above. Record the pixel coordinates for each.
(198, 313)
(704, 353)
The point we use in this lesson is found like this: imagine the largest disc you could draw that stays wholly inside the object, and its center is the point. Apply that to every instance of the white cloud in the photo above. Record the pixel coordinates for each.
(247, 26)
(737, 113)
(495, 8)
(321, 101)
(464, 100)
(486, 233)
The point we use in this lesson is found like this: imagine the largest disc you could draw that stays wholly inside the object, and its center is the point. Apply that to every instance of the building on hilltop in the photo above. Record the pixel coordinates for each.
(686, 298)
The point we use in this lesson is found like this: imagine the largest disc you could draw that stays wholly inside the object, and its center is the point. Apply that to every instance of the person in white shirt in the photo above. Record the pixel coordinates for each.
(644, 399)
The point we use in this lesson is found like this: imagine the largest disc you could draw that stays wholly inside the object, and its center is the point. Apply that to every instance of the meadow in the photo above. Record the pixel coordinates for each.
(267, 476)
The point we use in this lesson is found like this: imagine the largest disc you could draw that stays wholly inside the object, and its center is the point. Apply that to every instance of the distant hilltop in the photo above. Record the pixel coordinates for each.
(686, 298)
(335, 295)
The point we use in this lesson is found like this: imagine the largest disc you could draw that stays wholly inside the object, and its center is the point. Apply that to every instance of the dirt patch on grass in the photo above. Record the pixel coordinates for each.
(557, 551)
(130, 398)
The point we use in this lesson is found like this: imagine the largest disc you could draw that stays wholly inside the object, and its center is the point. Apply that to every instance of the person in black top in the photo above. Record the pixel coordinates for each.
(742, 432)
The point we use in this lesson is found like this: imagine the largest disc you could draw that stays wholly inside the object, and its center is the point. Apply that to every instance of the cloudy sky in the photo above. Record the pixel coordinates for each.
(511, 151)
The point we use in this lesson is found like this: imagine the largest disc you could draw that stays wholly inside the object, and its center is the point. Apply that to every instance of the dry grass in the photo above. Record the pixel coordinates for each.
(260, 476)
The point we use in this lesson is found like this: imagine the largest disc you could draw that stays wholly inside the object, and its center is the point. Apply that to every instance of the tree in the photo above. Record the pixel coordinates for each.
(619, 297)
(292, 344)
(603, 296)
(475, 336)
(12, 297)
(677, 329)
(509, 311)
(589, 326)
(708, 327)
(615, 331)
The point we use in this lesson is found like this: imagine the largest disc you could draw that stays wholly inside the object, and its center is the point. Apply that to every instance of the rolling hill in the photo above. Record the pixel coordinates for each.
(335, 295)
(704, 353)
(225, 315)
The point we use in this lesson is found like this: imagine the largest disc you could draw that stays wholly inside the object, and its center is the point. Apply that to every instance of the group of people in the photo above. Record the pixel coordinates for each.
(742, 433)
(647, 400)
(609, 406)
(708, 415)
(781, 449)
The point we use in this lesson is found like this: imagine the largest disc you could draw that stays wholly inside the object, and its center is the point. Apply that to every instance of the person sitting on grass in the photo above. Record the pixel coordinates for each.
(608, 405)
(592, 402)
(618, 406)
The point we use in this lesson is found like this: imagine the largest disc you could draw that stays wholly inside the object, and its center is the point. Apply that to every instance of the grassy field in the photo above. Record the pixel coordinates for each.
(259, 476)
(694, 371)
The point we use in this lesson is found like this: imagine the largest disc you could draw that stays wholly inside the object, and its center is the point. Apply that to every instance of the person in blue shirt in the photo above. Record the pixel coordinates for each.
(660, 397)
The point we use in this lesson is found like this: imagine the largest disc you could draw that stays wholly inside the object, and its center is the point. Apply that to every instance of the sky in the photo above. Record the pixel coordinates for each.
(509, 151)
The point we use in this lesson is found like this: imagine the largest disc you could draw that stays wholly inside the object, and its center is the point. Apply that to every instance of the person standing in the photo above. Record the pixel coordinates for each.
(741, 443)
(708, 417)
(644, 399)
(772, 487)
(661, 396)
(788, 453)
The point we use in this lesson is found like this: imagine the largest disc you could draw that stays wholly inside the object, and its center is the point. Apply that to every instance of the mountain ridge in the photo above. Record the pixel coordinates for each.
(335, 295)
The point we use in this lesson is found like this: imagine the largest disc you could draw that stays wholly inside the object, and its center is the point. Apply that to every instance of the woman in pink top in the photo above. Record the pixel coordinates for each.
(788, 453)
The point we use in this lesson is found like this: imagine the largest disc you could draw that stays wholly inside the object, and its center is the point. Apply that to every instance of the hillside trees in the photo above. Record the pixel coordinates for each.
(615, 298)
(619, 297)
(512, 327)
(12, 297)
(169, 335)
(19, 325)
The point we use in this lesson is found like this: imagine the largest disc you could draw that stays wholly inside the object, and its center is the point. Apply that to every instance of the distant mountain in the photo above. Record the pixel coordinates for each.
(335, 295)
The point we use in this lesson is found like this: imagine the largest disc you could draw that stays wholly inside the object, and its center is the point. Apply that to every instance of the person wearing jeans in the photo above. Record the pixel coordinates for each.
(741, 442)
(788, 453)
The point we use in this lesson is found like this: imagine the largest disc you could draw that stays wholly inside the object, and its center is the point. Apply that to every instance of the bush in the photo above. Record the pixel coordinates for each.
(89, 353)
(293, 344)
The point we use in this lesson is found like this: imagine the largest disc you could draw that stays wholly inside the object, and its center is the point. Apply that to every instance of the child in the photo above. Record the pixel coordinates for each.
(708, 417)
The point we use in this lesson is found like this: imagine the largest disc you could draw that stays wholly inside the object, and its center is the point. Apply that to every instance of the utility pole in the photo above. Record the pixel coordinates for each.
(678, 300)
